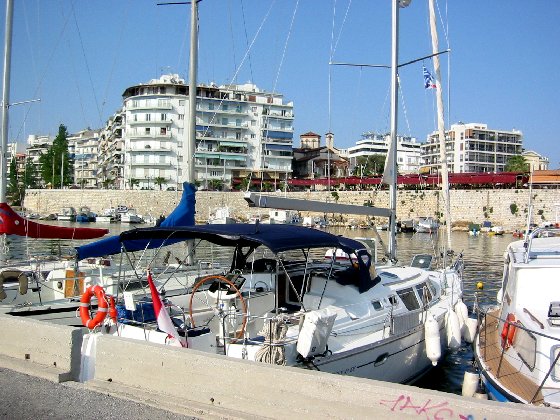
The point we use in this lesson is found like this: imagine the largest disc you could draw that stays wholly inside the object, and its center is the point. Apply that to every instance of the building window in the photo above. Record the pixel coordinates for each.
(254, 109)
(147, 130)
(181, 102)
(224, 121)
(181, 117)
(211, 106)
(163, 131)
(163, 117)
(148, 117)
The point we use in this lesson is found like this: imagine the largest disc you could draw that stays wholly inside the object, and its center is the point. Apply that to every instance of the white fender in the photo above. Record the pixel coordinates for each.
(500, 295)
(469, 330)
(470, 384)
(433, 340)
(453, 330)
(462, 312)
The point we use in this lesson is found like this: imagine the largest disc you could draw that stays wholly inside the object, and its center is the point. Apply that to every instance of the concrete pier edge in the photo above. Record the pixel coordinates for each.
(206, 385)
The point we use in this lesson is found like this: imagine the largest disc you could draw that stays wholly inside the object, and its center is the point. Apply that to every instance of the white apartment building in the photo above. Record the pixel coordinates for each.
(408, 150)
(36, 146)
(110, 154)
(473, 147)
(240, 131)
(83, 148)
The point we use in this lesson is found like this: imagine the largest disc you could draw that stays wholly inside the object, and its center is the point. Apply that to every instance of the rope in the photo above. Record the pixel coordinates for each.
(272, 350)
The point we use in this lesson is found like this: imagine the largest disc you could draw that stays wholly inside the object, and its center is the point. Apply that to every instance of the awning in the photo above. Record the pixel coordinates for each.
(278, 134)
(281, 147)
(207, 155)
(233, 157)
(233, 143)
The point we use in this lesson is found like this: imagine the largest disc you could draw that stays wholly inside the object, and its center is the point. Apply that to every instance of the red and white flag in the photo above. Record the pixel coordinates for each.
(163, 319)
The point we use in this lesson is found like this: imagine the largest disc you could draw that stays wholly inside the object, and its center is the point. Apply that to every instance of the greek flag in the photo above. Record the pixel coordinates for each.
(429, 82)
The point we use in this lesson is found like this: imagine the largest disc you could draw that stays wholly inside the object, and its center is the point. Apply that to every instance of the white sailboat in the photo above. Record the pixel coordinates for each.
(282, 302)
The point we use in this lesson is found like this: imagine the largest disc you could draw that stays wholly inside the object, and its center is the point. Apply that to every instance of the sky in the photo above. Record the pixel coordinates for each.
(79, 56)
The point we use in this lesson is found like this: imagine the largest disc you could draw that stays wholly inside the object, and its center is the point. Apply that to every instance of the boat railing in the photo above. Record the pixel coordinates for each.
(483, 314)
(538, 233)
(407, 321)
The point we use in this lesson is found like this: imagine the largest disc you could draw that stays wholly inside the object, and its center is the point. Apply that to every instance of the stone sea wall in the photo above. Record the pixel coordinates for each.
(507, 208)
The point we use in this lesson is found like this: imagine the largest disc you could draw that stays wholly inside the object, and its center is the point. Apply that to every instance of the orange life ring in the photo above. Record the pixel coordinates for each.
(508, 331)
(103, 303)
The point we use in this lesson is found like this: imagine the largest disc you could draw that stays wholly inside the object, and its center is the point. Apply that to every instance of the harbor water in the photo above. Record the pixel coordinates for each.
(483, 258)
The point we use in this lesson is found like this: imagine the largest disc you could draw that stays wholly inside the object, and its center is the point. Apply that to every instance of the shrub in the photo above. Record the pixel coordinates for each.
(513, 207)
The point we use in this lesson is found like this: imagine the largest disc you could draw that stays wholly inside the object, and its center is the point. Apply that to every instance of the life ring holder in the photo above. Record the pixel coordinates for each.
(508, 331)
(235, 289)
(105, 304)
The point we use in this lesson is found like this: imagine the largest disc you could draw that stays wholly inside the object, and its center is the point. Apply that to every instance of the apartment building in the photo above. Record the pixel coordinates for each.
(36, 146)
(473, 147)
(240, 131)
(83, 149)
(110, 154)
(408, 150)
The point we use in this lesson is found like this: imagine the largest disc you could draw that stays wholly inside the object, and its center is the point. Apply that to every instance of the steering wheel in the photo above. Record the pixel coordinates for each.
(232, 287)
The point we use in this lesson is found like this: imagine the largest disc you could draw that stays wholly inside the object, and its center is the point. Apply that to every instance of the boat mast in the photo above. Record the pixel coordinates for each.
(6, 99)
(191, 140)
(441, 125)
(393, 152)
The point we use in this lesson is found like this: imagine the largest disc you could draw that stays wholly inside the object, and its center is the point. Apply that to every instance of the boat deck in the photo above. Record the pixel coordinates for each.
(509, 376)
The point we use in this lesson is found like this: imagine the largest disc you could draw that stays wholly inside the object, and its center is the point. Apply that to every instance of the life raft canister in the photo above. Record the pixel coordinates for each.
(508, 331)
(103, 304)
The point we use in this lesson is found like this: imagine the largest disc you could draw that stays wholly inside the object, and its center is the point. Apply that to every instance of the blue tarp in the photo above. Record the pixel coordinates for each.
(183, 215)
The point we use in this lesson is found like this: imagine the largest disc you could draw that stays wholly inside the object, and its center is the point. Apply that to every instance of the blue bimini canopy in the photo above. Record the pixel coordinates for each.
(276, 237)
(182, 215)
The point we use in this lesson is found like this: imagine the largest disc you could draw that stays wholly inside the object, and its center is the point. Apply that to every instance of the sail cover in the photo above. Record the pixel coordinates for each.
(12, 223)
(183, 215)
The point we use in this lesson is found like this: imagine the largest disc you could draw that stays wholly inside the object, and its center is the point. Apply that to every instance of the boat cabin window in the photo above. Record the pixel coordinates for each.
(377, 305)
(409, 298)
(525, 344)
(556, 370)
(424, 293)
(393, 300)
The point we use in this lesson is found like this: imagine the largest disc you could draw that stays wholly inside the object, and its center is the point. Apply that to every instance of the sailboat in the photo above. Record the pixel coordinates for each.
(19, 281)
(274, 298)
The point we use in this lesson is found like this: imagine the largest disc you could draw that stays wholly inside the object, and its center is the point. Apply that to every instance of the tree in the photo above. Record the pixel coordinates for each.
(30, 176)
(159, 181)
(370, 165)
(517, 163)
(56, 162)
(134, 183)
(14, 189)
(215, 184)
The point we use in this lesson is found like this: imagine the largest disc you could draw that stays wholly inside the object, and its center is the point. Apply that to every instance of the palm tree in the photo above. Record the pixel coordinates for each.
(159, 180)
(517, 164)
(134, 183)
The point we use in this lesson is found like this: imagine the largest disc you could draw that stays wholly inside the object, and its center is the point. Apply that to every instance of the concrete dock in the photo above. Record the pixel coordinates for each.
(134, 379)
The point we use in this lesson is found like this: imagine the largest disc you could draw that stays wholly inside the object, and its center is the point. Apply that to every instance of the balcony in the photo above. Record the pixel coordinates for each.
(133, 136)
(153, 121)
(233, 111)
(219, 124)
(149, 104)
(159, 162)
